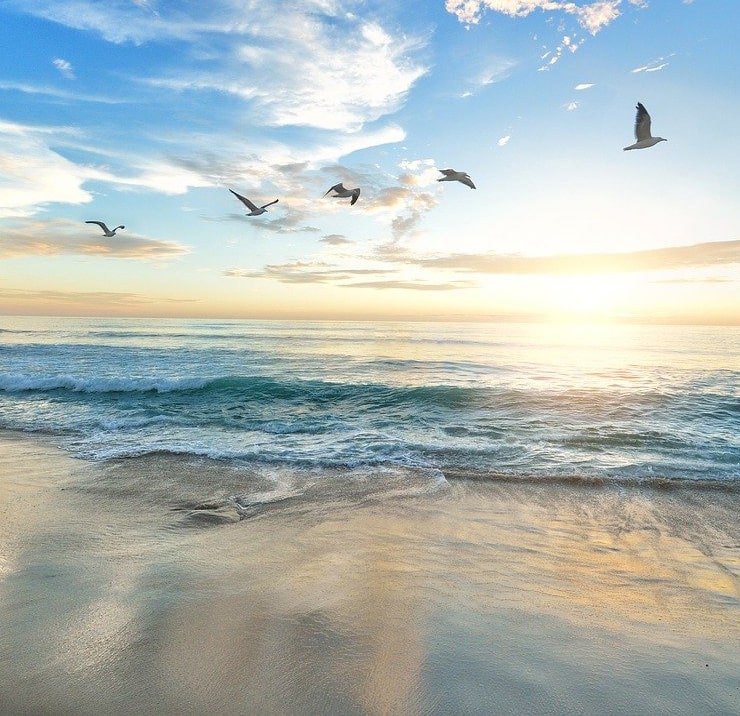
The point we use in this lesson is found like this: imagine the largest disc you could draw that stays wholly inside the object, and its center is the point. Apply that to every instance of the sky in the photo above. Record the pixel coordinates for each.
(144, 113)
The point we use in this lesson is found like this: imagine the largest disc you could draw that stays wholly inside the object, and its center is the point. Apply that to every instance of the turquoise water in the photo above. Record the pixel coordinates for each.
(487, 401)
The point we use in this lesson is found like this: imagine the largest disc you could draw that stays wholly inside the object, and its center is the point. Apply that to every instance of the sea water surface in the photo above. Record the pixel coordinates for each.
(434, 401)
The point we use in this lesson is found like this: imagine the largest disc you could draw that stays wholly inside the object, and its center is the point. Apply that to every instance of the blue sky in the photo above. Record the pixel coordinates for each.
(145, 113)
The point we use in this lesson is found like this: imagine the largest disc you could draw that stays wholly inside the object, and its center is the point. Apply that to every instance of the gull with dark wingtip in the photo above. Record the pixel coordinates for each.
(642, 130)
(106, 231)
(254, 210)
(452, 175)
(340, 192)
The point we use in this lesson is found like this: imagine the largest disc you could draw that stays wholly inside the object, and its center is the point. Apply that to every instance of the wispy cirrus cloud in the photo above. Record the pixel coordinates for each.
(311, 78)
(56, 237)
(491, 71)
(316, 66)
(309, 272)
(305, 272)
(56, 93)
(132, 22)
(94, 300)
(398, 284)
(716, 253)
(335, 240)
(700, 280)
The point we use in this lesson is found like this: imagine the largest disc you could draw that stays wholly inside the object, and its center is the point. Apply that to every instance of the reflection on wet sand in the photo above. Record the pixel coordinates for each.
(476, 599)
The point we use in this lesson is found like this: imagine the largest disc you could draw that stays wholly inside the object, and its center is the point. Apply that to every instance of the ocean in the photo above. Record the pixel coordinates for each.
(404, 404)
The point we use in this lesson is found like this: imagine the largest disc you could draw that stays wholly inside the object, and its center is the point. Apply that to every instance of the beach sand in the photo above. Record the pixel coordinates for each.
(135, 587)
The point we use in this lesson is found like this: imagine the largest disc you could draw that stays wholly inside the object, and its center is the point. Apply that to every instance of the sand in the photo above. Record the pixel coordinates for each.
(134, 587)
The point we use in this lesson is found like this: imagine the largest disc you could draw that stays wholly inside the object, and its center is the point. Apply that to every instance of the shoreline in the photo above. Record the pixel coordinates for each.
(129, 587)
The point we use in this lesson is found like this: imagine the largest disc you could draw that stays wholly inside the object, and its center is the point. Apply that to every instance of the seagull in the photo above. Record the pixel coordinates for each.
(452, 175)
(106, 231)
(642, 130)
(341, 193)
(254, 210)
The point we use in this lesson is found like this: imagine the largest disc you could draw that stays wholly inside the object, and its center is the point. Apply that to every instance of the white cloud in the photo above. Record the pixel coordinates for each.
(571, 106)
(32, 174)
(65, 67)
(567, 43)
(584, 86)
(598, 15)
(653, 65)
(315, 78)
(649, 68)
(418, 173)
(593, 16)
(504, 140)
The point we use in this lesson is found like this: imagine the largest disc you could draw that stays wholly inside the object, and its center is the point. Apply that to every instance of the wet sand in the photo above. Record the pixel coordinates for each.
(136, 587)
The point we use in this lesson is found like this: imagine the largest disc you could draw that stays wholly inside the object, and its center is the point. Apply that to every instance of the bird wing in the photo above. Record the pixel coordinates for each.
(355, 195)
(467, 181)
(100, 224)
(448, 172)
(244, 200)
(336, 187)
(270, 203)
(642, 123)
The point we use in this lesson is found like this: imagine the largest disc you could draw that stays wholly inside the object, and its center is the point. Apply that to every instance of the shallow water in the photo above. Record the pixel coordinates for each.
(138, 586)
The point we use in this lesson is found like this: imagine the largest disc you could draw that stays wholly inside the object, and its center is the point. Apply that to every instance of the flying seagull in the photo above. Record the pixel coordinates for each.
(642, 130)
(254, 210)
(106, 231)
(341, 193)
(452, 175)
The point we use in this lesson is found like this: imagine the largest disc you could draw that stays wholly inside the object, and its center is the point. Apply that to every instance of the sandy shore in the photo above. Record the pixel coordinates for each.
(134, 588)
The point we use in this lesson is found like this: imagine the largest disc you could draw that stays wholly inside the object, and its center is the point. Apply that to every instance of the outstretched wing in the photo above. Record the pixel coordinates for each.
(467, 181)
(448, 172)
(355, 195)
(244, 200)
(269, 203)
(642, 123)
(336, 187)
(100, 224)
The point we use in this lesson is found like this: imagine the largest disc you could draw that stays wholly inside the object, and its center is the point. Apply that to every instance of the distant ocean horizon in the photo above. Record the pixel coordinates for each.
(406, 402)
